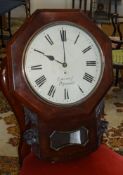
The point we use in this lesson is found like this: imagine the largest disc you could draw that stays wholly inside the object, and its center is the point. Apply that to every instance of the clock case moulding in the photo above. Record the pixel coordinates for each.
(33, 113)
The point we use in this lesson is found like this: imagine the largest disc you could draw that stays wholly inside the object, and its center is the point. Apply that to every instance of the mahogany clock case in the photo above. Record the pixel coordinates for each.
(16, 48)
(49, 116)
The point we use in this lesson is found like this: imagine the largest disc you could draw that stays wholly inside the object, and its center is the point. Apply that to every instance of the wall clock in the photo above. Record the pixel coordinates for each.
(68, 63)
(58, 70)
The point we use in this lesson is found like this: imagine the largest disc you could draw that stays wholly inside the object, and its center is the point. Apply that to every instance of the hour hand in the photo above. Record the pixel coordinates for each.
(50, 57)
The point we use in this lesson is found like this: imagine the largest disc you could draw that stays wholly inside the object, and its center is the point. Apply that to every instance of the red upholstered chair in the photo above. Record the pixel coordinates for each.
(101, 162)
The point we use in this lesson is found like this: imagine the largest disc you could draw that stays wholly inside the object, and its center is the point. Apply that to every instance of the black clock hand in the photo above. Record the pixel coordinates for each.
(58, 61)
(63, 39)
(50, 57)
(65, 63)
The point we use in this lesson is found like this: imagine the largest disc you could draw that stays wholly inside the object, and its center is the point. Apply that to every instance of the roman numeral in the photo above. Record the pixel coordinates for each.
(90, 63)
(86, 49)
(63, 35)
(80, 89)
(48, 38)
(66, 95)
(76, 38)
(40, 81)
(88, 77)
(52, 91)
(36, 67)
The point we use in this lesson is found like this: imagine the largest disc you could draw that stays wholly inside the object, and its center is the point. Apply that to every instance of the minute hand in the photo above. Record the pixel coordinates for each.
(63, 39)
(64, 53)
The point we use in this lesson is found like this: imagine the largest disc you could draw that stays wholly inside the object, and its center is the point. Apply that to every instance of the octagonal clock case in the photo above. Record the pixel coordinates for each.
(58, 69)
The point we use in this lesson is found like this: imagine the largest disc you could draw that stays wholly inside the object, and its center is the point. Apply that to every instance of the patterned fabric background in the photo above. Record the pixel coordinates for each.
(114, 115)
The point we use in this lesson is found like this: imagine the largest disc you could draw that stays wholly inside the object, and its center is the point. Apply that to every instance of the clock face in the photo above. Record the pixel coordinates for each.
(63, 64)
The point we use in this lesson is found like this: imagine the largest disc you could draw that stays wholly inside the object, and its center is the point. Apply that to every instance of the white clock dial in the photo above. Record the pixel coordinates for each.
(63, 63)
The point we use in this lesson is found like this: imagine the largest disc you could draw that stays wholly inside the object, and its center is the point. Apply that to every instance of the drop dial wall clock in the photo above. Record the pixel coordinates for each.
(57, 72)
